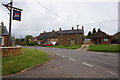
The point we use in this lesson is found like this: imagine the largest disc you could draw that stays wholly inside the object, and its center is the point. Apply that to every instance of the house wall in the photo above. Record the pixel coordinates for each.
(70, 39)
(2, 42)
(96, 41)
(106, 42)
(6, 38)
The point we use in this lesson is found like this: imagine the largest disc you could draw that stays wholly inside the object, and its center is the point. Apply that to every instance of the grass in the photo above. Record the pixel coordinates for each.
(28, 58)
(104, 48)
(66, 46)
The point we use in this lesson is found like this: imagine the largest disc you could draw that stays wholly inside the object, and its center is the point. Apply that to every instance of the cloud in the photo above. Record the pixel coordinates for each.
(36, 19)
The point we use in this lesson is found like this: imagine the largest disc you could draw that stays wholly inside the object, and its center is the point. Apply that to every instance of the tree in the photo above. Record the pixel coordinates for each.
(28, 38)
(89, 34)
(94, 31)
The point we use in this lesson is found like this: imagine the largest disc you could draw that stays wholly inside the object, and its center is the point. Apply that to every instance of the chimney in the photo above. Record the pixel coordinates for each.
(53, 31)
(72, 28)
(60, 29)
(82, 27)
(44, 31)
(99, 29)
(77, 26)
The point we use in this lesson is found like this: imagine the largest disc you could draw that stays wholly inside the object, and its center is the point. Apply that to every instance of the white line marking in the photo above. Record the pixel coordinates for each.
(72, 59)
(63, 56)
(87, 64)
(58, 54)
(113, 73)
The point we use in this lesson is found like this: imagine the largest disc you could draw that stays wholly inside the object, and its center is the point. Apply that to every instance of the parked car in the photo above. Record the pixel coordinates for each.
(47, 44)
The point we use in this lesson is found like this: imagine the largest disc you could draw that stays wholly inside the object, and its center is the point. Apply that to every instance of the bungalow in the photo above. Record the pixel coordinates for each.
(4, 35)
(101, 37)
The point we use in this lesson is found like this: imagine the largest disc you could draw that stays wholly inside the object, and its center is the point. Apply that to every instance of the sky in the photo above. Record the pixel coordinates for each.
(47, 15)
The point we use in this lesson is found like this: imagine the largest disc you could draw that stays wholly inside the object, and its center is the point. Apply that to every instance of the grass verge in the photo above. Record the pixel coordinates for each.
(28, 58)
(104, 48)
(66, 46)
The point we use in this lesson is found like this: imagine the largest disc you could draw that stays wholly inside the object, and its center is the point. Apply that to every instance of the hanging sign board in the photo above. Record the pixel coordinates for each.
(16, 15)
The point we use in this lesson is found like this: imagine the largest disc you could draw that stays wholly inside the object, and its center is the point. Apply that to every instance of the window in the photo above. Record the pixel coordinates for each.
(1, 41)
(68, 40)
(105, 39)
(68, 35)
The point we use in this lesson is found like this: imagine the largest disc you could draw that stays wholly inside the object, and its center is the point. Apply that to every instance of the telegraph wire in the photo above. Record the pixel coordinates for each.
(50, 11)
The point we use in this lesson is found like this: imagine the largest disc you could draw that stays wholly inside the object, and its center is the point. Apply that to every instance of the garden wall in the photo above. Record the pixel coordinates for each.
(10, 51)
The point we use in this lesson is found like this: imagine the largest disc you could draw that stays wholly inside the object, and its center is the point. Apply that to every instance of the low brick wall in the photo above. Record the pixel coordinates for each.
(10, 51)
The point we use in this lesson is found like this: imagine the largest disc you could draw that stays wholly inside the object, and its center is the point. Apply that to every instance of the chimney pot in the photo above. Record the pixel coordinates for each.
(98, 29)
(60, 29)
(77, 26)
(53, 31)
(72, 28)
(82, 27)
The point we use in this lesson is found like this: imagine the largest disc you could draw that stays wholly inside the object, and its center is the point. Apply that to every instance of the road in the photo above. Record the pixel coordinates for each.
(69, 63)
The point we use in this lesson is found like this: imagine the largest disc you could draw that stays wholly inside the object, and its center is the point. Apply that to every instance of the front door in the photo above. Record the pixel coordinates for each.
(72, 41)
(99, 41)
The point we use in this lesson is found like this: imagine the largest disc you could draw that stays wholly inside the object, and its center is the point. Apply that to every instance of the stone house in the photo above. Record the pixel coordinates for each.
(4, 35)
(101, 37)
(62, 37)
(74, 36)
(47, 37)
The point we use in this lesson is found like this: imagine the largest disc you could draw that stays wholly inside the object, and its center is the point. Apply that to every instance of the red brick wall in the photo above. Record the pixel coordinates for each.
(66, 38)
(106, 42)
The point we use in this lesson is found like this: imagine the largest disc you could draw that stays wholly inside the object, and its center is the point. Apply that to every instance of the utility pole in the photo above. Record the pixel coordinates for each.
(10, 7)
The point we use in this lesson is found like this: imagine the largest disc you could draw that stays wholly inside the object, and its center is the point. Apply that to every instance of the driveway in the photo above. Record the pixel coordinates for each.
(69, 63)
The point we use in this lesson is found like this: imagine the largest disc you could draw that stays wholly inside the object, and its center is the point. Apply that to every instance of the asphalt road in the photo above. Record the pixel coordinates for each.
(69, 63)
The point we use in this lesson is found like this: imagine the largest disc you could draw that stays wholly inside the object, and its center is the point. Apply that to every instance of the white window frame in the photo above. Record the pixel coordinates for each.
(105, 39)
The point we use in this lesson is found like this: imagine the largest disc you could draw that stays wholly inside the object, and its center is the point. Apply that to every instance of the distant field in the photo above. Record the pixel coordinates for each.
(29, 58)
(66, 46)
(104, 48)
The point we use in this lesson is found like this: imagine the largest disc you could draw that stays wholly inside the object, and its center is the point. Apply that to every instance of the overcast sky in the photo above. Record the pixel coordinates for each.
(65, 14)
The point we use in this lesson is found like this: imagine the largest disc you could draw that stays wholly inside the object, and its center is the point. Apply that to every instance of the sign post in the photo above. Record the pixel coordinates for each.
(11, 10)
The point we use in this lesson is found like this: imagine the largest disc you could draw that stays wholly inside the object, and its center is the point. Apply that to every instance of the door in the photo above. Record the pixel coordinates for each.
(72, 41)
(99, 41)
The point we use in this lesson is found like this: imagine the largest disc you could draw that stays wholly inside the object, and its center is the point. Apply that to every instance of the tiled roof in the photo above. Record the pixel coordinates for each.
(48, 35)
(71, 31)
(100, 34)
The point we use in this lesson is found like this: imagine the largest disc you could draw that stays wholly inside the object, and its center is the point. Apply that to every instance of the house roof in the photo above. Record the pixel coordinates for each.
(116, 35)
(3, 31)
(47, 35)
(54, 34)
(100, 34)
(71, 31)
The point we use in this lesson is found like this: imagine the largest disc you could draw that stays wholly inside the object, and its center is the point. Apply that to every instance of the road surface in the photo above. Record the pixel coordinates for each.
(69, 63)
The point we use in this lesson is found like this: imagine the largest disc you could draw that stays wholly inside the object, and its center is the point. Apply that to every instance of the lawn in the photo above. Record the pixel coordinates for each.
(104, 48)
(66, 46)
(29, 58)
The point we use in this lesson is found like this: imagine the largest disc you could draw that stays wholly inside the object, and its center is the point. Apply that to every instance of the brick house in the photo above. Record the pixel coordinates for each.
(62, 37)
(4, 35)
(101, 37)
(74, 36)
(47, 37)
